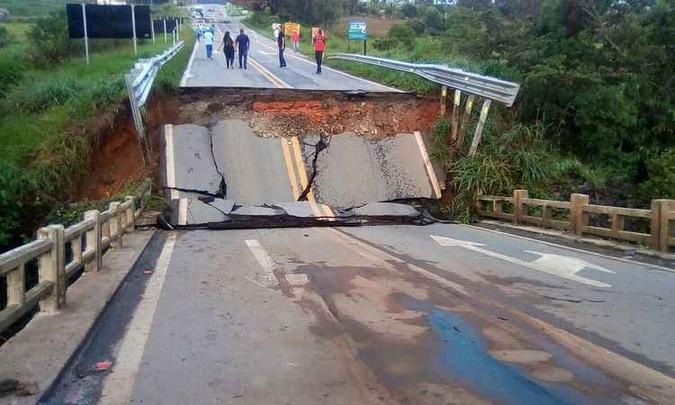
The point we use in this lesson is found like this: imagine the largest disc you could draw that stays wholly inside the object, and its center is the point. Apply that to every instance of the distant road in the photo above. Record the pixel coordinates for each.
(263, 70)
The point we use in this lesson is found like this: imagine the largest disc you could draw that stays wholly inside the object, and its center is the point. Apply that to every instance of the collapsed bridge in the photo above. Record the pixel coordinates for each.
(292, 158)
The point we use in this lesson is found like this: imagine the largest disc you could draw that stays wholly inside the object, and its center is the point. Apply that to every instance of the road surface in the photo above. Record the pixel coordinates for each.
(434, 314)
(263, 69)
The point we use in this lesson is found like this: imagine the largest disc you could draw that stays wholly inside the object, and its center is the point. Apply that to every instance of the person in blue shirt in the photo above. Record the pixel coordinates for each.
(243, 44)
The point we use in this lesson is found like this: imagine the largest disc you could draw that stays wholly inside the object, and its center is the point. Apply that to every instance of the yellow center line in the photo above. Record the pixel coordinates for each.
(292, 179)
(320, 210)
(269, 75)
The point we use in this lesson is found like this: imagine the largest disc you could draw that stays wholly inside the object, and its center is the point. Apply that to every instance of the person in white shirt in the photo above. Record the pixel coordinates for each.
(208, 41)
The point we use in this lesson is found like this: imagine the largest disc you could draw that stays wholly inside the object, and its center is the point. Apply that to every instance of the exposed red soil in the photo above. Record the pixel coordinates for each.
(118, 159)
(372, 119)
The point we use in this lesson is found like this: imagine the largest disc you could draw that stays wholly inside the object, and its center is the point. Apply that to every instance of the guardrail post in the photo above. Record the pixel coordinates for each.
(130, 213)
(660, 223)
(444, 99)
(16, 286)
(457, 101)
(115, 225)
(578, 220)
(93, 241)
(51, 267)
(518, 196)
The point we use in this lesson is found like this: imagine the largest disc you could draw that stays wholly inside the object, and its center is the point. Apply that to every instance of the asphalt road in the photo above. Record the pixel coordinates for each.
(393, 314)
(263, 69)
(383, 315)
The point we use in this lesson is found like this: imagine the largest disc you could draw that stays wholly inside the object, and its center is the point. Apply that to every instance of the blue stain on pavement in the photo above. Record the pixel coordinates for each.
(463, 356)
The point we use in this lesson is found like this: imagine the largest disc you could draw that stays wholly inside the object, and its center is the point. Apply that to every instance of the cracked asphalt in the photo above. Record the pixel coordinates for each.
(438, 314)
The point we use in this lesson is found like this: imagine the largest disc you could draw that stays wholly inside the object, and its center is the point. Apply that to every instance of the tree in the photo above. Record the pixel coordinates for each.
(409, 11)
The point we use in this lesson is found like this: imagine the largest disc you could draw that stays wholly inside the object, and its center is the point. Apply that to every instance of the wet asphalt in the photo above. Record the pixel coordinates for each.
(378, 315)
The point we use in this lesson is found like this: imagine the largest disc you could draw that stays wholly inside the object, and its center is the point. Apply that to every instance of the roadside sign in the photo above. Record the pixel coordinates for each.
(291, 27)
(275, 28)
(357, 30)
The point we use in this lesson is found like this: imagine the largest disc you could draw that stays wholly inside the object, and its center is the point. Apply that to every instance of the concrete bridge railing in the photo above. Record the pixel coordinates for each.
(574, 216)
(61, 252)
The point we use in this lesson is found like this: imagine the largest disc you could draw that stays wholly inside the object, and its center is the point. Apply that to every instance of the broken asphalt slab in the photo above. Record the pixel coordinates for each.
(354, 171)
(255, 176)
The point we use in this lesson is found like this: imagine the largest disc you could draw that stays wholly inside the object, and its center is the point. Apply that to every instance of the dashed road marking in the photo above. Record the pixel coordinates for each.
(268, 279)
(118, 386)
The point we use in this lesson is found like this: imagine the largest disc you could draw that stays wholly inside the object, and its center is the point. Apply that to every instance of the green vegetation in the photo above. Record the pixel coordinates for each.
(596, 111)
(47, 105)
(33, 8)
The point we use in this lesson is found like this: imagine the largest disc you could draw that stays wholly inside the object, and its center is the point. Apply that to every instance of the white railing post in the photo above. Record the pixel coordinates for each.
(16, 282)
(51, 268)
(93, 241)
(115, 225)
(130, 212)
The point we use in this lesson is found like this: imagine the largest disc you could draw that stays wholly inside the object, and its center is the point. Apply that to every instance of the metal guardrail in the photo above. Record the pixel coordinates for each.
(144, 73)
(87, 241)
(483, 86)
(139, 83)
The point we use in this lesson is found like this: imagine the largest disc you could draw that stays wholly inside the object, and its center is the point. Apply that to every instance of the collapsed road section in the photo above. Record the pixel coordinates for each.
(288, 158)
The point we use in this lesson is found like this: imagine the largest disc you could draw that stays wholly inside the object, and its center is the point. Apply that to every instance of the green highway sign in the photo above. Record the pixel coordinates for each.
(357, 30)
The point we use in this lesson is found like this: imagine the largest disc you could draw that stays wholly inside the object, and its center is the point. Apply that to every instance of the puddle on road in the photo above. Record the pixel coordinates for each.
(413, 336)
(463, 355)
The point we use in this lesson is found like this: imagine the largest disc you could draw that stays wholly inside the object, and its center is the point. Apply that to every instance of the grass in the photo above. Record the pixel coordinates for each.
(33, 8)
(45, 102)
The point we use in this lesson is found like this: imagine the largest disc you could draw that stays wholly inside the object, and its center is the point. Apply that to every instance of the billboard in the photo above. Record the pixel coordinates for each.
(108, 21)
(357, 29)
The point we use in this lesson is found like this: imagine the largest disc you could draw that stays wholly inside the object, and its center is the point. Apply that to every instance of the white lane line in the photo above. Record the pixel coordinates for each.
(588, 252)
(431, 173)
(310, 62)
(118, 386)
(268, 279)
(187, 74)
(170, 161)
(182, 211)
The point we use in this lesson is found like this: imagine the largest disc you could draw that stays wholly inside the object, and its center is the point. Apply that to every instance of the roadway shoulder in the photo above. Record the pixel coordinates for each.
(604, 247)
(39, 352)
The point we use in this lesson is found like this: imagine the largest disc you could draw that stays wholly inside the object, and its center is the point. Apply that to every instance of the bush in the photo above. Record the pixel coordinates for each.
(384, 44)
(403, 35)
(49, 39)
(5, 37)
(661, 182)
(35, 95)
(11, 72)
(13, 190)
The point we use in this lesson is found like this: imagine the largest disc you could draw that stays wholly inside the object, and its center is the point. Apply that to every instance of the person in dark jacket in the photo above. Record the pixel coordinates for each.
(281, 43)
(228, 50)
(242, 44)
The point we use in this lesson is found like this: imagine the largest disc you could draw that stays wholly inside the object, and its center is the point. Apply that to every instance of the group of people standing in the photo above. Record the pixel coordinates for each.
(318, 41)
(241, 45)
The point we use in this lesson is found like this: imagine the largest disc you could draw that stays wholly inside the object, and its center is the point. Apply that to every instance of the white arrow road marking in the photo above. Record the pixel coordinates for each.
(561, 266)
